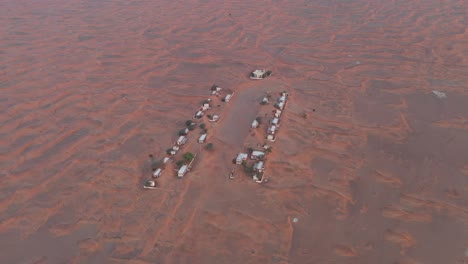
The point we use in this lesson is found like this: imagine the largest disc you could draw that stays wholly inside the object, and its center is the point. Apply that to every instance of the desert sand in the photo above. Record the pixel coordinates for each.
(378, 173)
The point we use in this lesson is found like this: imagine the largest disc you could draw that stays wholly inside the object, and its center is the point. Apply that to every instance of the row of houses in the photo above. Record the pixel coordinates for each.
(273, 126)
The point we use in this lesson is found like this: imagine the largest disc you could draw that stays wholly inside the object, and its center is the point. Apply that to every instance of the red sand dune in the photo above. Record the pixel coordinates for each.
(371, 163)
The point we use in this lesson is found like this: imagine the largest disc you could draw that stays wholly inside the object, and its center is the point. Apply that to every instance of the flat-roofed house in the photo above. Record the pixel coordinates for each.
(181, 140)
(255, 123)
(272, 130)
(256, 154)
(275, 121)
(228, 98)
(202, 138)
(157, 173)
(182, 171)
(241, 157)
(258, 166)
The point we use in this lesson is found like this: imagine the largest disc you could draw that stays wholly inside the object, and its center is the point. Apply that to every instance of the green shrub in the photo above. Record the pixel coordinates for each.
(188, 156)
(209, 146)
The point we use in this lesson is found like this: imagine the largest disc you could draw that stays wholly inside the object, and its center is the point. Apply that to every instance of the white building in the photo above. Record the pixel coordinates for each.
(271, 138)
(258, 74)
(182, 171)
(181, 140)
(202, 138)
(214, 118)
(256, 154)
(150, 185)
(255, 124)
(280, 105)
(174, 150)
(241, 157)
(157, 173)
(272, 130)
(275, 121)
(282, 99)
(228, 98)
(258, 166)
(277, 113)
(166, 160)
(198, 114)
(205, 107)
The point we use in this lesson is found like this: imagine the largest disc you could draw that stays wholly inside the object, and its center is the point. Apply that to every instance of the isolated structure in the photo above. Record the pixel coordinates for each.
(255, 124)
(259, 74)
(150, 185)
(214, 118)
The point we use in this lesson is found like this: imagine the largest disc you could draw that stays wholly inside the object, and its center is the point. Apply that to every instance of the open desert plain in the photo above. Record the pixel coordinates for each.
(370, 164)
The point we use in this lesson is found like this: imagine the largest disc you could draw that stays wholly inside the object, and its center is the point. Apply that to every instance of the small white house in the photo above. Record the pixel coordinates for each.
(255, 124)
(205, 107)
(198, 114)
(227, 98)
(277, 113)
(280, 105)
(182, 171)
(271, 138)
(150, 185)
(258, 74)
(256, 154)
(264, 100)
(218, 89)
(275, 121)
(241, 157)
(157, 173)
(282, 99)
(214, 118)
(174, 150)
(272, 130)
(258, 166)
(181, 140)
(166, 160)
(202, 138)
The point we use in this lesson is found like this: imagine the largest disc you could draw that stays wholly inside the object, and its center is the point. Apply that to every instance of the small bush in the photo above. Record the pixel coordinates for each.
(188, 156)
(192, 127)
(168, 151)
(202, 125)
(213, 87)
(180, 163)
(188, 123)
(263, 102)
(259, 119)
(182, 132)
(209, 146)
(304, 115)
(250, 149)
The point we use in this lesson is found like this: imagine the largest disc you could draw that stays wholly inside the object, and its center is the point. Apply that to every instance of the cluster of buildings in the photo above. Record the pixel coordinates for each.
(183, 137)
(257, 169)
